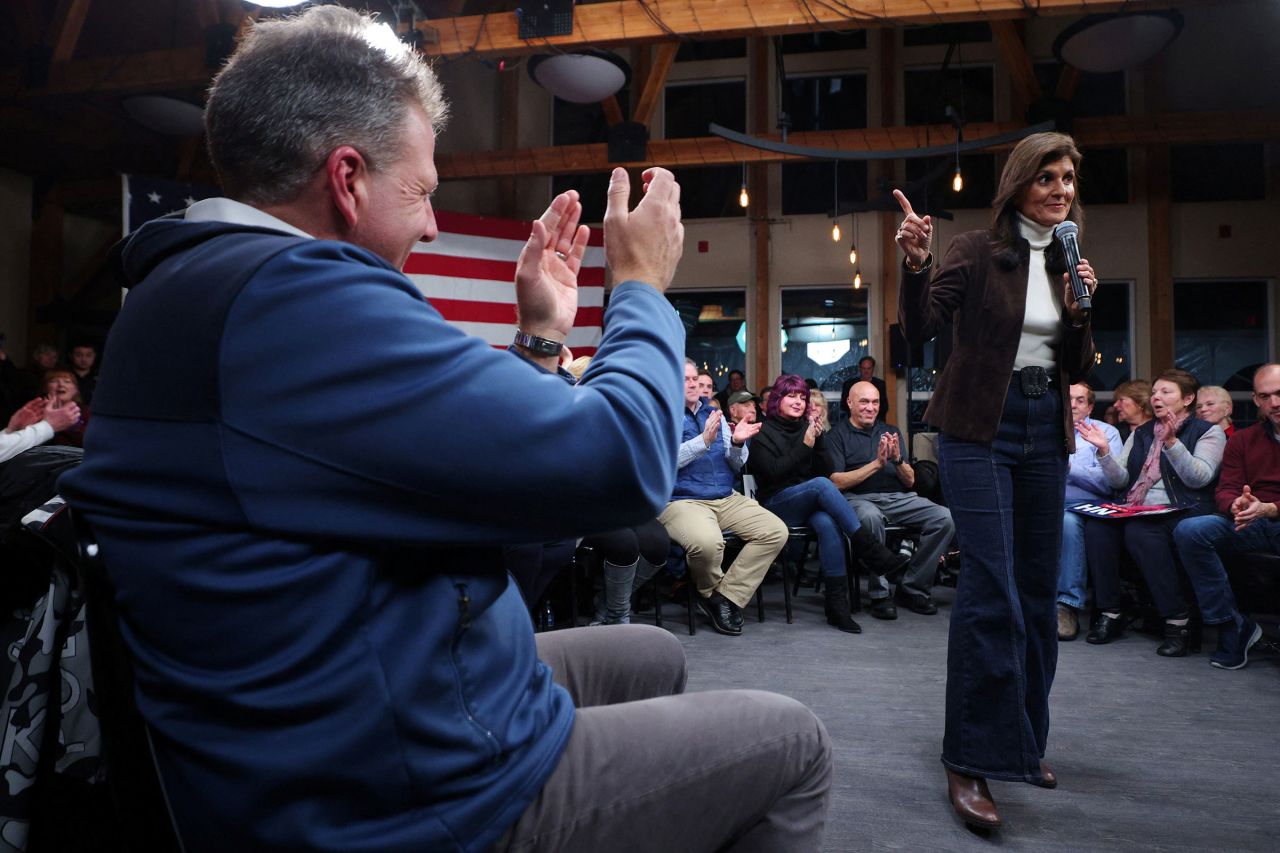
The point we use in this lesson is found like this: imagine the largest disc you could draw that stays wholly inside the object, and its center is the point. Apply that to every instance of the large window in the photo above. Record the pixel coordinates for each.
(824, 103)
(1112, 336)
(1235, 172)
(715, 329)
(581, 124)
(969, 93)
(711, 191)
(1221, 331)
(824, 334)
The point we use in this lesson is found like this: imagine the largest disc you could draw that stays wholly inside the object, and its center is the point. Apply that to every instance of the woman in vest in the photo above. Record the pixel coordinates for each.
(1170, 460)
(1001, 405)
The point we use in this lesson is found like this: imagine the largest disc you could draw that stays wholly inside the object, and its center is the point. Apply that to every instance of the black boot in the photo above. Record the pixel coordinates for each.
(837, 606)
(1176, 640)
(879, 560)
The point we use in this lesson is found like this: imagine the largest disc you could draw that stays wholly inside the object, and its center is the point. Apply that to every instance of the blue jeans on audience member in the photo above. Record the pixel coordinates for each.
(819, 504)
(1202, 540)
(1073, 572)
(1006, 498)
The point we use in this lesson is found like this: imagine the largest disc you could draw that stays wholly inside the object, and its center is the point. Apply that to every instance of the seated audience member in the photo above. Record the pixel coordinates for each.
(703, 504)
(1085, 482)
(866, 456)
(866, 367)
(62, 390)
(630, 556)
(763, 407)
(1214, 404)
(1171, 460)
(818, 405)
(84, 365)
(328, 652)
(736, 382)
(35, 423)
(742, 407)
(706, 385)
(792, 470)
(30, 379)
(1248, 498)
(1132, 404)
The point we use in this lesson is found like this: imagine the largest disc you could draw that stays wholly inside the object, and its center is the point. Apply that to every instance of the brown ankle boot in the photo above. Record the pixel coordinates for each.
(972, 801)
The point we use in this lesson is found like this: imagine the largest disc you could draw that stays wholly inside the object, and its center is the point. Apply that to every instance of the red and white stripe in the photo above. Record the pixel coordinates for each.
(468, 273)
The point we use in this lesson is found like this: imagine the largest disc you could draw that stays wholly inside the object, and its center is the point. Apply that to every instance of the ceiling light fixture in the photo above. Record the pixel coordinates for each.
(585, 76)
(1116, 41)
(744, 200)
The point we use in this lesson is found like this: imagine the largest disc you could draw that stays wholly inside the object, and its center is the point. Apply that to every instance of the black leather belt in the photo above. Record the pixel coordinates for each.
(1034, 381)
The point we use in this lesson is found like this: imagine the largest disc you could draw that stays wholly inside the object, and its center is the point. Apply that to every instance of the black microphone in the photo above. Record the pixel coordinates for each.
(1067, 232)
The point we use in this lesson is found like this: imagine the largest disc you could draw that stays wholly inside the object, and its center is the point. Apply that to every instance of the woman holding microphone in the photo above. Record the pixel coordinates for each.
(1020, 341)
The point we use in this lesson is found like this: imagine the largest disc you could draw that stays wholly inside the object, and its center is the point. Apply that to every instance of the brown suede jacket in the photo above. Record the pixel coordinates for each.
(984, 302)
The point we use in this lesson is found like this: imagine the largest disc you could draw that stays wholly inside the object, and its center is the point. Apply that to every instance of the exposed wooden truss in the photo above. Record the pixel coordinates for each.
(1101, 132)
(632, 22)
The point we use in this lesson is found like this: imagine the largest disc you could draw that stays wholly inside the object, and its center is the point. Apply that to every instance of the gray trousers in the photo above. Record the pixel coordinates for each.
(877, 509)
(649, 768)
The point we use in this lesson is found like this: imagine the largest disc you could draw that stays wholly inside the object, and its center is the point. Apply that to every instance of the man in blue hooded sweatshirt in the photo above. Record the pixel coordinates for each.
(324, 656)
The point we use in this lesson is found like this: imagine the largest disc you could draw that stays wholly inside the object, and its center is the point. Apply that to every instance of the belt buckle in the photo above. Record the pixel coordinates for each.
(1034, 381)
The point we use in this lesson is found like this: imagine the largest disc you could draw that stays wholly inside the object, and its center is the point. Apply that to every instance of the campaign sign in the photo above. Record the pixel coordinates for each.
(1119, 512)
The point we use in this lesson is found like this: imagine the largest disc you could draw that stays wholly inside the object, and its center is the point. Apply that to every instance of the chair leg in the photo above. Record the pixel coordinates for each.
(691, 592)
(657, 599)
(760, 599)
(853, 578)
(786, 594)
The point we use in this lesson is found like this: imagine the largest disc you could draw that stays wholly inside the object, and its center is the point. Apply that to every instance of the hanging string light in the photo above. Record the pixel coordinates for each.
(743, 199)
(957, 180)
(857, 279)
(835, 202)
(853, 247)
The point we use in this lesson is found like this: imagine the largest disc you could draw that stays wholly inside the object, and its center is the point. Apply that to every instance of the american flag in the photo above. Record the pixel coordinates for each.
(468, 272)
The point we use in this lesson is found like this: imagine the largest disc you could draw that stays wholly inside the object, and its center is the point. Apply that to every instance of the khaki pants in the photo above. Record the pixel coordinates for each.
(696, 526)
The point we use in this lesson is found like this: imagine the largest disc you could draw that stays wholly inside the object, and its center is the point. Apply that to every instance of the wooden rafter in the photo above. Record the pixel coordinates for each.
(598, 24)
(1026, 87)
(632, 22)
(1099, 132)
(64, 32)
(655, 81)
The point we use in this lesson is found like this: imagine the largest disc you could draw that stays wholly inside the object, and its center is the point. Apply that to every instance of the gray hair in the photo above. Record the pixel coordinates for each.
(299, 87)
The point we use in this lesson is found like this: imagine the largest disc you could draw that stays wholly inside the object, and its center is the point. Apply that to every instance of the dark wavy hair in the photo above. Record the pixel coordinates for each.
(787, 383)
(1025, 161)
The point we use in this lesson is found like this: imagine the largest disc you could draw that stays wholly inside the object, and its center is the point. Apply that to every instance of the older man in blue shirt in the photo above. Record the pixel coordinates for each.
(1085, 482)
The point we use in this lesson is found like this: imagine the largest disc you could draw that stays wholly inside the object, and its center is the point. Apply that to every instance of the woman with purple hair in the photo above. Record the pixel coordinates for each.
(793, 481)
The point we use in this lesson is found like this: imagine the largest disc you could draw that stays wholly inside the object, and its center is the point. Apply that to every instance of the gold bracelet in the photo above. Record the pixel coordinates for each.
(906, 261)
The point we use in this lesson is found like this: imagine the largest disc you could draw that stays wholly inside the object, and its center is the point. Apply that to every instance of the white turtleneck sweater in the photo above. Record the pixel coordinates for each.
(1042, 322)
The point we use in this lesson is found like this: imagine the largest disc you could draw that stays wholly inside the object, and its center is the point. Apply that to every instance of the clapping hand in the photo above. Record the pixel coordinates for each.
(745, 431)
(1095, 436)
(712, 430)
(31, 413)
(811, 432)
(60, 416)
(547, 269)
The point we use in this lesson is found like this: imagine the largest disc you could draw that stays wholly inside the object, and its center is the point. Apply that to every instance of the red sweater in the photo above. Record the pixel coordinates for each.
(1252, 459)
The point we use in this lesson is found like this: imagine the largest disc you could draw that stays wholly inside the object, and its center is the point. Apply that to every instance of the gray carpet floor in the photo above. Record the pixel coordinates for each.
(1151, 753)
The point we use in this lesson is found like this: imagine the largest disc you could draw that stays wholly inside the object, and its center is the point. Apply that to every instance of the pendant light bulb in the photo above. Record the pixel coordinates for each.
(957, 180)
(743, 199)
(853, 254)
(857, 280)
(835, 231)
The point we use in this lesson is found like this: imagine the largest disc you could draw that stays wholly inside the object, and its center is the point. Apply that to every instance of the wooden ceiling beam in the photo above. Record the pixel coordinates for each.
(1100, 132)
(1026, 86)
(655, 81)
(598, 24)
(174, 68)
(632, 21)
(64, 32)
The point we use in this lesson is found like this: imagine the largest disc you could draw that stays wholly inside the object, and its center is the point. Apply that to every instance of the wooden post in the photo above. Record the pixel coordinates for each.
(1159, 259)
(888, 282)
(760, 290)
